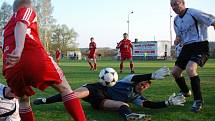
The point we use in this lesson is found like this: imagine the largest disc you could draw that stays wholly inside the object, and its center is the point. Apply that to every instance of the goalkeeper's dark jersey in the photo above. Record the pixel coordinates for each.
(124, 90)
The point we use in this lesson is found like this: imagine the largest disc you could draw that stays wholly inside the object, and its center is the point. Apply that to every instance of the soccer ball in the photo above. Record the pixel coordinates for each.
(108, 77)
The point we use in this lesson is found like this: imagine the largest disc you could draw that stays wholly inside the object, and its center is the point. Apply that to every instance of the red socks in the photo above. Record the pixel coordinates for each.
(121, 66)
(91, 66)
(26, 114)
(95, 66)
(73, 106)
(131, 66)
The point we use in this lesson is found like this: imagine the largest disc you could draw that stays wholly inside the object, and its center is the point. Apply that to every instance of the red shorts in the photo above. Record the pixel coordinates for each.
(57, 58)
(35, 69)
(92, 56)
(126, 56)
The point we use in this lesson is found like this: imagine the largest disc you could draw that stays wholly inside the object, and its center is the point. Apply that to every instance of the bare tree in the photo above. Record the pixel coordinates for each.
(64, 38)
(44, 10)
(6, 12)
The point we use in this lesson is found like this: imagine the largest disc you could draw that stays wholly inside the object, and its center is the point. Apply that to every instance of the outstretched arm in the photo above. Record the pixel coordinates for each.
(141, 77)
(143, 102)
(158, 74)
(154, 105)
(174, 100)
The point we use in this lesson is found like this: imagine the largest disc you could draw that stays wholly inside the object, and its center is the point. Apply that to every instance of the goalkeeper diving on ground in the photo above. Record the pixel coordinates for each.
(118, 97)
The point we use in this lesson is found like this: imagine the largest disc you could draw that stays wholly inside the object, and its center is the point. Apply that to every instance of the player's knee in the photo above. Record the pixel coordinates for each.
(64, 90)
(124, 104)
(176, 74)
(119, 104)
(191, 71)
(63, 87)
(24, 101)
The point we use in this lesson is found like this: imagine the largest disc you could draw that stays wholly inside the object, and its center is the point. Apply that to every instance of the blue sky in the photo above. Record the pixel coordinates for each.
(106, 20)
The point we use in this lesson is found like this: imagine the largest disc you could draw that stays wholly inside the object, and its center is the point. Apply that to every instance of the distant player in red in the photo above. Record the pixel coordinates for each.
(58, 55)
(26, 64)
(125, 47)
(92, 54)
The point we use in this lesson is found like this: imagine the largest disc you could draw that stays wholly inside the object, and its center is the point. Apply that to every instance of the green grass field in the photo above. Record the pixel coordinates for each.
(77, 73)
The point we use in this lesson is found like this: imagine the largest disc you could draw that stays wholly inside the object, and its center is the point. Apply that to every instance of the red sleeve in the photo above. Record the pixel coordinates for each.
(26, 15)
(131, 44)
(119, 44)
(94, 45)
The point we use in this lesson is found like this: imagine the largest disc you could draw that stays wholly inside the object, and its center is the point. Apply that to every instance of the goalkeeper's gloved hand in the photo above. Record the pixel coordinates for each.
(161, 73)
(177, 100)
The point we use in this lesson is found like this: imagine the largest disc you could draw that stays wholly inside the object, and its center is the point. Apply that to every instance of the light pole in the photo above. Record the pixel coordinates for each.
(128, 21)
(170, 24)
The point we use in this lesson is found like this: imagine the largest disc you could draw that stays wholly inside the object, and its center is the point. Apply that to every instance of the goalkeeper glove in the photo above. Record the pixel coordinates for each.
(177, 100)
(161, 73)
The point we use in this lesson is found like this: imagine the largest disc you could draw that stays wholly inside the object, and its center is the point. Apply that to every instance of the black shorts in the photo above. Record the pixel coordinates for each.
(97, 94)
(197, 52)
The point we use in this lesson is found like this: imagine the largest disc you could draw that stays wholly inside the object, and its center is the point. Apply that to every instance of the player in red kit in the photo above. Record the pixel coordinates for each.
(57, 55)
(92, 54)
(125, 47)
(26, 64)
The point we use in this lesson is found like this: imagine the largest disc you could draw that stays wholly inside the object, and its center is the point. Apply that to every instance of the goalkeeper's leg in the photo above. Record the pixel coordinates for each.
(49, 100)
(138, 117)
(80, 93)
(124, 110)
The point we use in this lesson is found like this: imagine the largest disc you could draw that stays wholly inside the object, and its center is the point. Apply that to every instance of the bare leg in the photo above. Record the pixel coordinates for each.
(94, 66)
(112, 104)
(91, 66)
(122, 107)
(132, 66)
(121, 66)
(82, 92)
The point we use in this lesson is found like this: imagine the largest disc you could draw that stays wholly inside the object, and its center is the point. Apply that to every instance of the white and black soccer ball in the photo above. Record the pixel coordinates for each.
(108, 77)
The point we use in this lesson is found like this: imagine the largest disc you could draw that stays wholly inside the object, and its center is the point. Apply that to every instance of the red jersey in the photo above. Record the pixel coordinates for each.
(125, 46)
(35, 67)
(28, 17)
(92, 47)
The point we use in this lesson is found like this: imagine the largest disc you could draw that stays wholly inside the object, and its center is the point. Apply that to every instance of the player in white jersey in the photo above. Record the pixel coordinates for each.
(8, 105)
(191, 31)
